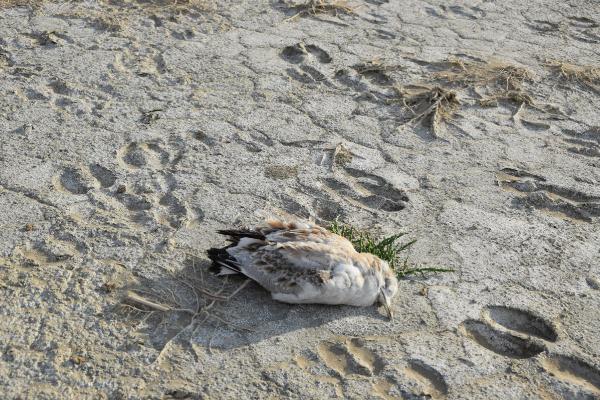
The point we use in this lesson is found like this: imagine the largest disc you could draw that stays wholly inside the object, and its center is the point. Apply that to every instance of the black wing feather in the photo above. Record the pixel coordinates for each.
(236, 234)
(221, 258)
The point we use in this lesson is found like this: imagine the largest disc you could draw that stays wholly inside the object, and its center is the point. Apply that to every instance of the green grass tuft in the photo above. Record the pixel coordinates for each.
(388, 248)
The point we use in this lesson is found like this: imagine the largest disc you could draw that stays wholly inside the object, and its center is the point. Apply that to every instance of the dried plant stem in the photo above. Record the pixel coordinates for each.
(425, 102)
(315, 7)
(495, 75)
(136, 298)
(586, 75)
(197, 311)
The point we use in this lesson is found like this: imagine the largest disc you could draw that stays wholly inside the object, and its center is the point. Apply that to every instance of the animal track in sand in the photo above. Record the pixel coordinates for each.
(75, 181)
(586, 143)
(306, 364)
(368, 79)
(430, 381)
(32, 262)
(456, 11)
(520, 321)
(376, 75)
(573, 371)
(138, 155)
(327, 208)
(348, 356)
(521, 334)
(472, 13)
(80, 180)
(510, 332)
(300, 52)
(367, 190)
(377, 2)
(533, 190)
(307, 61)
(350, 359)
(382, 389)
(161, 204)
(582, 29)
(292, 207)
(146, 198)
(499, 342)
(172, 211)
(104, 175)
(50, 251)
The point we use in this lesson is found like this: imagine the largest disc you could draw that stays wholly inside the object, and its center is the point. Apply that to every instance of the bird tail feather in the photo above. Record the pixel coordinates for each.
(223, 262)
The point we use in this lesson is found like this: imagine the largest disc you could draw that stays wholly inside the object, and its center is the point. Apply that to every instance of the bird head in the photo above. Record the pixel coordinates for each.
(388, 289)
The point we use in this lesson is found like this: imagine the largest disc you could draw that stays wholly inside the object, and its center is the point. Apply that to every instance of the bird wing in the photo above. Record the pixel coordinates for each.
(282, 232)
(303, 263)
(290, 267)
(276, 231)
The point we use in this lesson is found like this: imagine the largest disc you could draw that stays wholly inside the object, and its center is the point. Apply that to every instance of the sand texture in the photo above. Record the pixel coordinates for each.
(132, 130)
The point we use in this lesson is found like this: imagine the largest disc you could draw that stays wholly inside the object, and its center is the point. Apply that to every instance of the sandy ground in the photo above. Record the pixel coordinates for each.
(132, 130)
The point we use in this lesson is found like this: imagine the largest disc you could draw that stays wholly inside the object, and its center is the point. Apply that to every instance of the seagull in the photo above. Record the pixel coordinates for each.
(302, 263)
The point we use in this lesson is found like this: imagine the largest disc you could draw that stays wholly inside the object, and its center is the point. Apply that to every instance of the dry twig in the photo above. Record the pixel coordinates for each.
(432, 103)
(341, 156)
(494, 75)
(198, 303)
(375, 66)
(503, 81)
(516, 96)
(315, 7)
(586, 75)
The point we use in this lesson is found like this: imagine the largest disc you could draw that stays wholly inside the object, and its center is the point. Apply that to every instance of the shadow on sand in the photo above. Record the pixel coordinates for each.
(194, 306)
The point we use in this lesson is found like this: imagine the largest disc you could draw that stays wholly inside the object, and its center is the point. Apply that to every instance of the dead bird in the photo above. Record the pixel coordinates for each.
(304, 263)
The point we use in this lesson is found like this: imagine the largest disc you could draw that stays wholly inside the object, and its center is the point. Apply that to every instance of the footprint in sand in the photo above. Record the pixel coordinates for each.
(161, 204)
(80, 180)
(430, 381)
(309, 63)
(350, 359)
(521, 334)
(137, 155)
(150, 197)
(585, 143)
(562, 202)
(367, 190)
(348, 356)
(510, 332)
(573, 372)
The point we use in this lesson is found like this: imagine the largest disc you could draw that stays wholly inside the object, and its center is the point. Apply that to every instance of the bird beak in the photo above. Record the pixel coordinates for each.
(388, 306)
